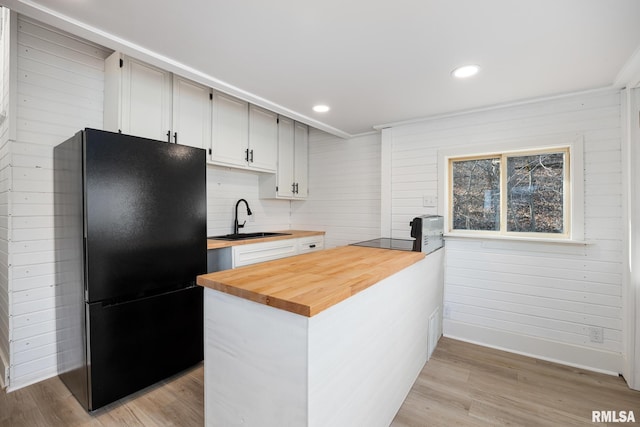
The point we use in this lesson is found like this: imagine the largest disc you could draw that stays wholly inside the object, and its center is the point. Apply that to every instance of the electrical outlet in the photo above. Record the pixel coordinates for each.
(429, 201)
(446, 313)
(596, 335)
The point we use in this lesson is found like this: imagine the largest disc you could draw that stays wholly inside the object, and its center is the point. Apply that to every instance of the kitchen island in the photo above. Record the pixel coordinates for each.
(335, 337)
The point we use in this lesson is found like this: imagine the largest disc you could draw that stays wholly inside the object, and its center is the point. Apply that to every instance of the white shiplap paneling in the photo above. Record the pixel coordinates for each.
(542, 299)
(5, 185)
(59, 91)
(344, 189)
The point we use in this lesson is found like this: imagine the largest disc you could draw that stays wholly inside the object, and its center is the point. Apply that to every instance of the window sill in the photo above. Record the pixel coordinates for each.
(560, 241)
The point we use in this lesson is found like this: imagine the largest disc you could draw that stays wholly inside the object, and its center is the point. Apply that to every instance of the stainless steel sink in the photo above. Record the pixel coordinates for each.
(243, 236)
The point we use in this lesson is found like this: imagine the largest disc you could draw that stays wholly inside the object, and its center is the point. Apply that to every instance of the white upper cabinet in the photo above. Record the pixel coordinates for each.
(301, 161)
(285, 180)
(230, 139)
(146, 101)
(244, 135)
(191, 113)
(291, 179)
(137, 98)
(263, 139)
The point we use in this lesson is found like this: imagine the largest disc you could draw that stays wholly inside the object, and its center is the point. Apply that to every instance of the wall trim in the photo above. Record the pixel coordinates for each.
(575, 142)
(631, 276)
(629, 75)
(591, 359)
(612, 88)
(386, 142)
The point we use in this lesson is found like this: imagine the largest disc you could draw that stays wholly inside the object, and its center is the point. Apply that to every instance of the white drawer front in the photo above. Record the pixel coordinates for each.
(260, 252)
(310, 244)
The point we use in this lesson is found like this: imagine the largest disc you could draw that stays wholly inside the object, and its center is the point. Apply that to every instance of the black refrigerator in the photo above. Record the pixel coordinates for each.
(130, 221)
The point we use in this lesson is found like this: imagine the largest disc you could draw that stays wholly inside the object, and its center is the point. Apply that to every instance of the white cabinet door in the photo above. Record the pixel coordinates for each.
(263, 139)
(145, 100)
(191, 113)
(301, 161)
(285, 180)
(230, 139)
(291, 180)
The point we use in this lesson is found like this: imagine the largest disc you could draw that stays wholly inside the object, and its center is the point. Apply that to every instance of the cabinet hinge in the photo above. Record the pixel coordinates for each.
(121, 62)
(211, 96)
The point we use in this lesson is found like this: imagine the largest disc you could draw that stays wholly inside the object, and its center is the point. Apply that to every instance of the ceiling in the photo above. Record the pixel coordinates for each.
(373, 62)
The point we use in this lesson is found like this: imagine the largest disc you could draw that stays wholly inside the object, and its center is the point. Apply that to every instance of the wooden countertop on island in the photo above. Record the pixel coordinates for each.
(289, 234)
(307, 284)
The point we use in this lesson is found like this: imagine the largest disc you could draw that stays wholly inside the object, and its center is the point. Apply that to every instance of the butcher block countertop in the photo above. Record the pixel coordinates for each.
(291, 234)
(307, 284)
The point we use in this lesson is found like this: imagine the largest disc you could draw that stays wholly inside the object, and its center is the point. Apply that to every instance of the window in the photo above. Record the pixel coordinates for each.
(524, 193)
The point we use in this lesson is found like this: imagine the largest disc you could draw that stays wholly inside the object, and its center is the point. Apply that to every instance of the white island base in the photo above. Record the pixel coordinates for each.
(352, 364)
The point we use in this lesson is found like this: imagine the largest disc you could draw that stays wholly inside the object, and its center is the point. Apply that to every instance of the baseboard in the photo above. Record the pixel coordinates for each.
(37, 377)
(606, 362)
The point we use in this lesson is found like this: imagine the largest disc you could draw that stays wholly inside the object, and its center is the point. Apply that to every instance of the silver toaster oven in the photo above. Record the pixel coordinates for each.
(427, 230)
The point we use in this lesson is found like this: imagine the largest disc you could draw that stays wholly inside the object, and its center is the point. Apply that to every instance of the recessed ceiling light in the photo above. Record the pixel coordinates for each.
(465, 71)
(321, 108)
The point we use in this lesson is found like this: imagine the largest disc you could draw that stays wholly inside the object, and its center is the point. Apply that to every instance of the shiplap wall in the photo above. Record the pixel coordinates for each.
(60, 87)
(5, 176)
(344, 189)
(535, 298)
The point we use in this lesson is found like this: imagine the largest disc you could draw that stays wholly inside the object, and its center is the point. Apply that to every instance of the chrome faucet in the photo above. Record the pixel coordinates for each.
(237, 226)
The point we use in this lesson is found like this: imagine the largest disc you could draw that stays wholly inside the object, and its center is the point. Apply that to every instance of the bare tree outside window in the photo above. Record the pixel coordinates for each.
(534, 187)
(476, 194)
(535, 193)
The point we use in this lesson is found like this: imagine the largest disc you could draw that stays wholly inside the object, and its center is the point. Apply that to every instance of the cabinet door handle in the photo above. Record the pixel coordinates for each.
(251, 156)
(293, 188)
(175, 137)
(296, 184)
(169, 136)
(246, 155)
(312, 246)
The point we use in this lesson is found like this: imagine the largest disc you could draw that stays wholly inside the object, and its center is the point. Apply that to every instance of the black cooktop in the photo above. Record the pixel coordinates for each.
(387, 243)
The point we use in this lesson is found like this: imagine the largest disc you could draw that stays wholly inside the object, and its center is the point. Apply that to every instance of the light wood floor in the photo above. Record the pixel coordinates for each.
(469, 385)
(462, 385)
(177, 401)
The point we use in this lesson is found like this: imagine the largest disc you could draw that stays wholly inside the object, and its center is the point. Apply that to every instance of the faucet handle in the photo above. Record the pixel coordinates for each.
(242, 225)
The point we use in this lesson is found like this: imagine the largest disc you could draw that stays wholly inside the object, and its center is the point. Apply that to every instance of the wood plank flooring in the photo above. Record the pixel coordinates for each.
(469, 385)
(462, 385)
(177, 401)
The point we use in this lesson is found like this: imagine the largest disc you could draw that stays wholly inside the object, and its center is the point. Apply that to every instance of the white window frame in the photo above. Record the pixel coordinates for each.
(575, 218)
